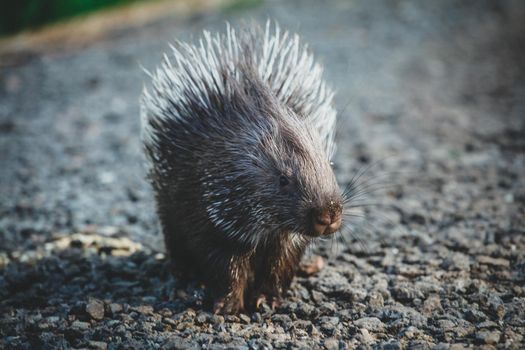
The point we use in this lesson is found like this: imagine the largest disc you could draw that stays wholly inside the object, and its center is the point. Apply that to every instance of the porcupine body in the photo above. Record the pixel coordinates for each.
(238, 132)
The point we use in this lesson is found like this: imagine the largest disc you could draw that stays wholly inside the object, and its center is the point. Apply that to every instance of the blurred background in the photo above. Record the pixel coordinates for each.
(430, 98)
(28, 14)
(31, 14)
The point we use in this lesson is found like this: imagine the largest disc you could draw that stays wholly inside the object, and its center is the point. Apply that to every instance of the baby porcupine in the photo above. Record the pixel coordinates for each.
(238, 132)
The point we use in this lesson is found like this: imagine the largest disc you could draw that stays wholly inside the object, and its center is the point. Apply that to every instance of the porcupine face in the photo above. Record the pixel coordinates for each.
(280, 182)
(294, 188)
(305, 188)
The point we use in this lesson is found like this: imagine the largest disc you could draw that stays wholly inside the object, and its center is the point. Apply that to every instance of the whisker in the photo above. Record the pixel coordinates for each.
(357, 216)
(363, 205)
(354, 180)
(367, 229)
(368, 183)
(350, 230)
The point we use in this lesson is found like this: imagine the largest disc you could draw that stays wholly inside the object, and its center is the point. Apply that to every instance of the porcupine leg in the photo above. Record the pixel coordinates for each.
(274, 283)
(229, 284)
(272, 280)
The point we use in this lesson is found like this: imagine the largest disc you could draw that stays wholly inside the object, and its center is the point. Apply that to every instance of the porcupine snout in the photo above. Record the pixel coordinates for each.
(327, 220)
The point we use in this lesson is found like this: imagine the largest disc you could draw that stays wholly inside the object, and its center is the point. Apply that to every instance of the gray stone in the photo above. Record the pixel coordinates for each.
(372, 324)
(488, 337)
(331, 344)
(99, 345)
(95, 309)
(79, 325)
(245, 318)
(115, 308)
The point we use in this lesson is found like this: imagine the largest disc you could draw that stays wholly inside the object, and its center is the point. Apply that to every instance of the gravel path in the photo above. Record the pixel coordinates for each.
(432, 101)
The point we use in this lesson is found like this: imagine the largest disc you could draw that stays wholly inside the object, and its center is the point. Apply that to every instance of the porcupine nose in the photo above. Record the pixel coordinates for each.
(328, 221)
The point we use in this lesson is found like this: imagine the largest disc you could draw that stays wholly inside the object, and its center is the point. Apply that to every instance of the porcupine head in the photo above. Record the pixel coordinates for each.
(240, 129)
(274, 177)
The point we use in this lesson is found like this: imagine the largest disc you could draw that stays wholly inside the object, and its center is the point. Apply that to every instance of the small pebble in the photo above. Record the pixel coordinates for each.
(143, 309)
(95, 308)
(331, 344)
(115, 308)
(372, 324)
(244, 318)
(99, 345)
(80, 325)
(488, 337)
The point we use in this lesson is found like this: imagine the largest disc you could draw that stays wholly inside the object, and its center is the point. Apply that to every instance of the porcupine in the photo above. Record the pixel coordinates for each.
(239, 132)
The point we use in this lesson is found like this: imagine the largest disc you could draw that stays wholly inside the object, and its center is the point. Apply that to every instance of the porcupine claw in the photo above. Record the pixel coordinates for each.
(262, 299)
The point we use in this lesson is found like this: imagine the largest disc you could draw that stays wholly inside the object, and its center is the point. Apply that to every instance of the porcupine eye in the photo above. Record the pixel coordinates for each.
(283, 181)
(285, 185)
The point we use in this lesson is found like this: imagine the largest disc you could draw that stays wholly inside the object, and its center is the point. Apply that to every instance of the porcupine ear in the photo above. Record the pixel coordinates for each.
(289, 67)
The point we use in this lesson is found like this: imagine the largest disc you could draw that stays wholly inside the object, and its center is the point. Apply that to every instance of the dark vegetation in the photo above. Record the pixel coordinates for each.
(26, 14)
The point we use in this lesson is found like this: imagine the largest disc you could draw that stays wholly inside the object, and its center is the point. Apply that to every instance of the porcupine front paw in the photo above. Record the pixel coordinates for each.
(273, 301)
(228, 305)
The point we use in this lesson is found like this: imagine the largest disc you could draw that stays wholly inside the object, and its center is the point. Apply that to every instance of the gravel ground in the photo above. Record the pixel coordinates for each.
(432, 101)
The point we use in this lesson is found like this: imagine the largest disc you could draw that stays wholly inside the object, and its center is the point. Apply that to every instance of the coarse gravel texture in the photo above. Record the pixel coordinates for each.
(432, 111)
